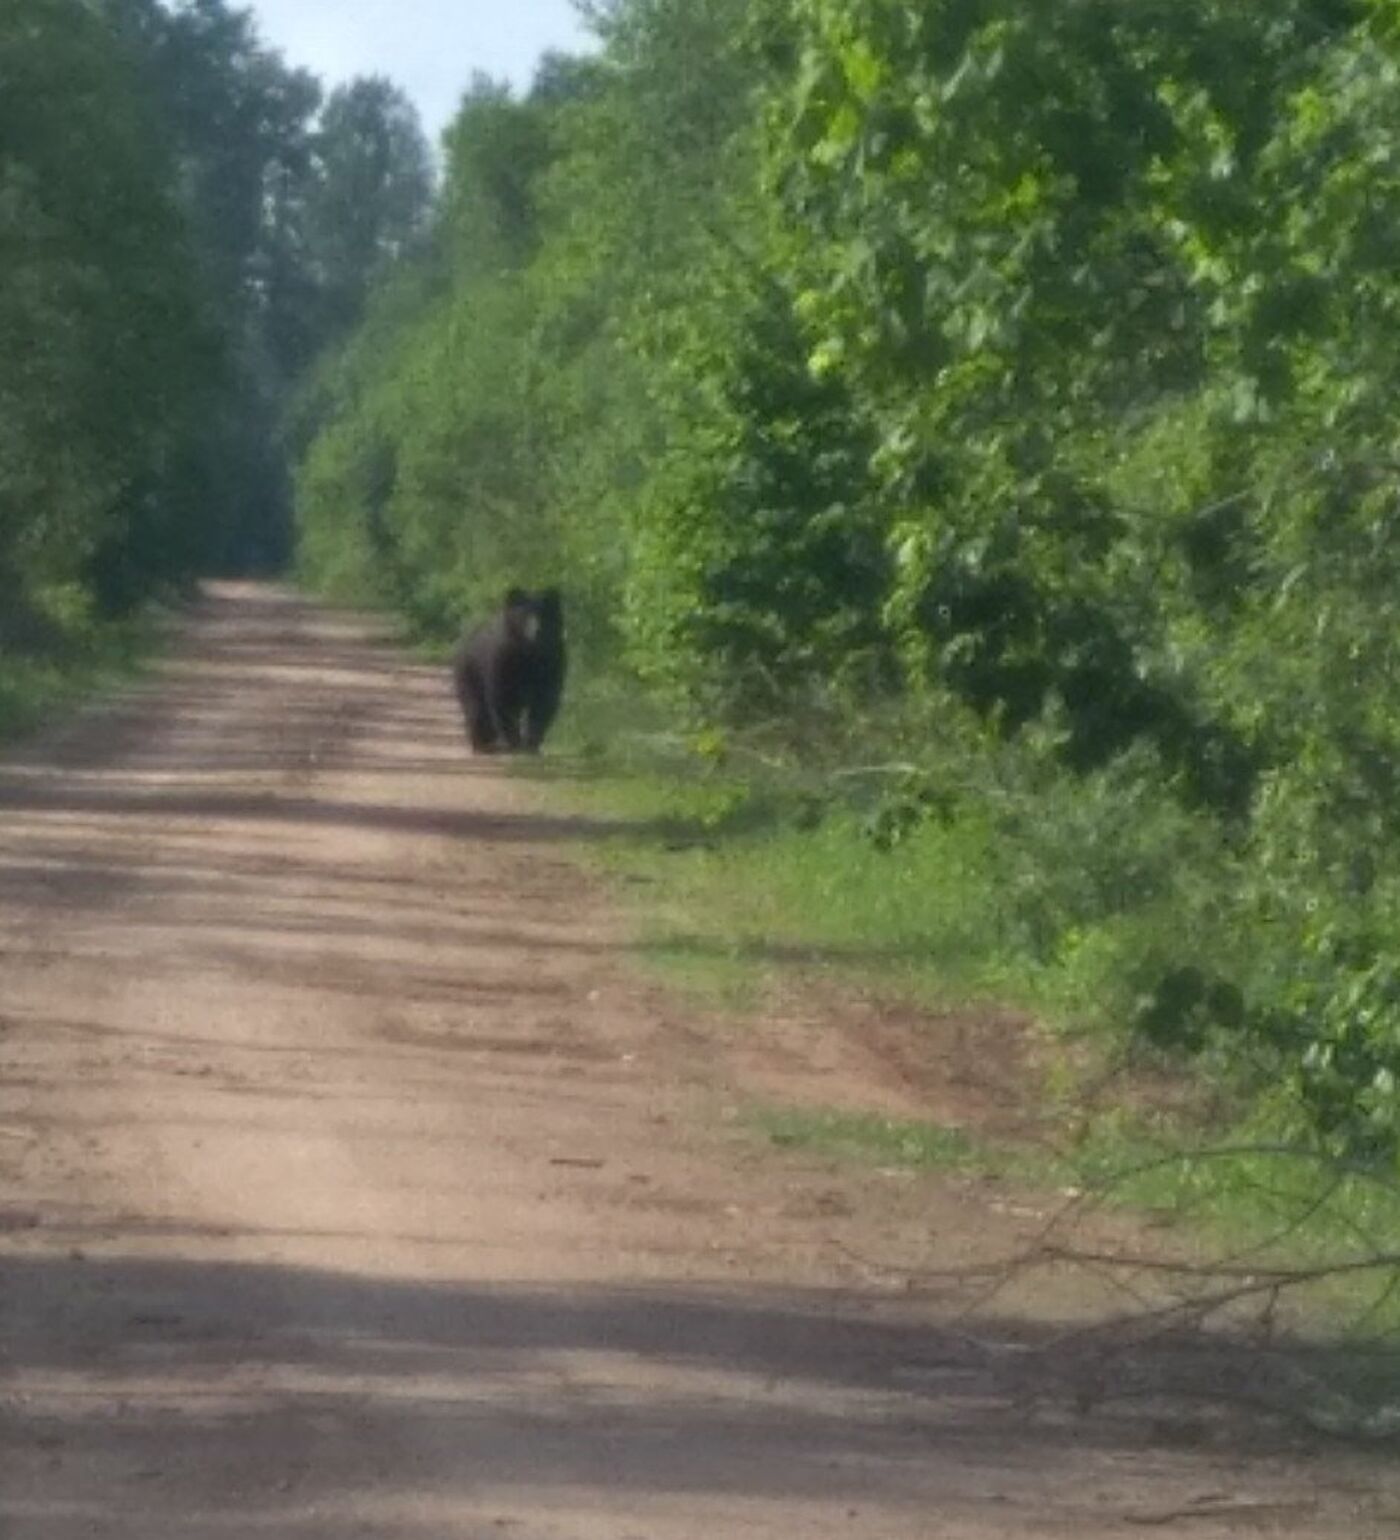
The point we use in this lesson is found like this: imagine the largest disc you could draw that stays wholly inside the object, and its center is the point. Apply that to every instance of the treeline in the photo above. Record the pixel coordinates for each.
(185, 223)
(1013, 385)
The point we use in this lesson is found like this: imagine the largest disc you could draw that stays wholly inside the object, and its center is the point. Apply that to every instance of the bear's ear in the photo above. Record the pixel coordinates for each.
(552, 601)
(516, 598)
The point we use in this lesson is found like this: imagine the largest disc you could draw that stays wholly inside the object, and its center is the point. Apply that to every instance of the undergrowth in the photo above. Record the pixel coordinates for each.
(58, 652)
(964, 873)
(977, 877)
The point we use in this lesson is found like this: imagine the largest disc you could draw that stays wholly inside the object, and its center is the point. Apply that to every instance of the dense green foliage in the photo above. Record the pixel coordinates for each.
(101, 389)
(179, 237)
(1009, 385)
(1139, 347)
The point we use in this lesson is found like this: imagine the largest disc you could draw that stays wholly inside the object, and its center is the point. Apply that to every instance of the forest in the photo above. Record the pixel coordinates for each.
(975, 414)
(186, 222)
(995, 394)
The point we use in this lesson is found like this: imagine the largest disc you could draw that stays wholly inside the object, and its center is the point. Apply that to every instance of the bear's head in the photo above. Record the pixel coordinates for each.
(534, 617)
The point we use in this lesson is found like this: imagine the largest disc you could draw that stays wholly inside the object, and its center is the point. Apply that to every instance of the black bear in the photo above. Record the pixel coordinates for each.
(509, 673)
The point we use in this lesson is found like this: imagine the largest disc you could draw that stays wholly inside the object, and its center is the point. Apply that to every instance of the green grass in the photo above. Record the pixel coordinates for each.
(872, 1139)
(1255, 1187)
(1244, 1206)
(735, 881)
(1051, 895)
(735, 885)
(739, 873)
(717, 977)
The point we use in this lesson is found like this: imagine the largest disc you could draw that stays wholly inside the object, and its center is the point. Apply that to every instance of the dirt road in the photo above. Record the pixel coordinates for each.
(351, 1183)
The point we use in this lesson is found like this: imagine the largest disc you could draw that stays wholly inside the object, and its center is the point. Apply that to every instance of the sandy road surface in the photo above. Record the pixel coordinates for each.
(351, 1185)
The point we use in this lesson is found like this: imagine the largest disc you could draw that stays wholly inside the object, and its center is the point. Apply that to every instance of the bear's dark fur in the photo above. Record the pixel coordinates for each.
(509, 673)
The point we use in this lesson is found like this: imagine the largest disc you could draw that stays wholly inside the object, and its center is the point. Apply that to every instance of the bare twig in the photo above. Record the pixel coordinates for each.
(1253, 1279)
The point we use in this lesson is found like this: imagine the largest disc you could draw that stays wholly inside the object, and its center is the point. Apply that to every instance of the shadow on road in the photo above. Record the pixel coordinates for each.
(619, 1391)
(282, 808)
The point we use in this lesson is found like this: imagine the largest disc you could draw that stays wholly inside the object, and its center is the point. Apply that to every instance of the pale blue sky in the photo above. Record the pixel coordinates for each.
(429, 47)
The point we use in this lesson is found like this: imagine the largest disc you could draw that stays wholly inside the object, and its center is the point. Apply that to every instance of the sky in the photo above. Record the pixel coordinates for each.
(428, 47)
